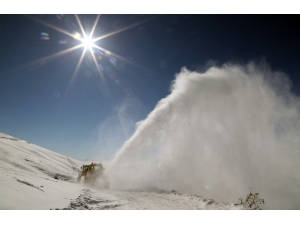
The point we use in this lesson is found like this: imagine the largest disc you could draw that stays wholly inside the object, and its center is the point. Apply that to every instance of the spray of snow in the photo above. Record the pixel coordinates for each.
(218, 134)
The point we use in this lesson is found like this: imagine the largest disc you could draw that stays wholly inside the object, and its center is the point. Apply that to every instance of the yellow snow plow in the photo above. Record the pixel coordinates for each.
(92, 172)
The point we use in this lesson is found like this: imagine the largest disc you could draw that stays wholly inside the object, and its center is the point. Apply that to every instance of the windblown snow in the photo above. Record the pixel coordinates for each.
(219, 133)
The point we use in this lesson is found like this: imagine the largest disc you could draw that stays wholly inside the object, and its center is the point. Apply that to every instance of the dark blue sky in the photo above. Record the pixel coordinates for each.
(90, 119)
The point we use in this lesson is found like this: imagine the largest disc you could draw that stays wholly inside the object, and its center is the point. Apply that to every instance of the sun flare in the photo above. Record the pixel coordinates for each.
(87, 42)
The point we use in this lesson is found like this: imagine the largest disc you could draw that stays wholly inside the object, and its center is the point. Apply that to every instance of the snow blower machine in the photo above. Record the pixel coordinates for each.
(93, 172)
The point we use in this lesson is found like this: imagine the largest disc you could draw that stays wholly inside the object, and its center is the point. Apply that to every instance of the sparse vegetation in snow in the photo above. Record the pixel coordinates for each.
(29, 184)
(252, 201)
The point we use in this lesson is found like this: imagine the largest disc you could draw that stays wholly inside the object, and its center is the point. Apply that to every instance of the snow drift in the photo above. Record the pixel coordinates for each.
(218, 134)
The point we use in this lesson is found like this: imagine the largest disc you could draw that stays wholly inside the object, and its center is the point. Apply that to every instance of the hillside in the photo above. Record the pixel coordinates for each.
(27, 174)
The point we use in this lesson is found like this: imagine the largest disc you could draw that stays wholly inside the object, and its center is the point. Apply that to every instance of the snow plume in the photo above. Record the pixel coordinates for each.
(115, 130)
(218, 134)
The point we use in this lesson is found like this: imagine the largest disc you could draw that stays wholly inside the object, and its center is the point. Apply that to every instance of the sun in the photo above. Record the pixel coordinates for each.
(87, 42)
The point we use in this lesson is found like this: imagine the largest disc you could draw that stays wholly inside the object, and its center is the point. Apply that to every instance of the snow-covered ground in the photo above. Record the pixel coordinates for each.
(27, 175)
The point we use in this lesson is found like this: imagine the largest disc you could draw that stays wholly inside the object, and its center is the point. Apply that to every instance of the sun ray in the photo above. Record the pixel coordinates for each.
(97, 66)
(79, 63)
(75, 72)
(40, 62)
(123, 29)
(119, 57)
(100, 73)
(54, 56)
(52, 26)
(59, 54)
(80, 25)
(94, 26)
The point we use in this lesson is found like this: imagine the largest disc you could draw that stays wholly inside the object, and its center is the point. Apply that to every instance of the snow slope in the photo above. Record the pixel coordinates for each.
(27, 175)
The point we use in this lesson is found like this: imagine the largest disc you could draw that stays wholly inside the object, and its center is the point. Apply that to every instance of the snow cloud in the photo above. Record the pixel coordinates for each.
(218, 134)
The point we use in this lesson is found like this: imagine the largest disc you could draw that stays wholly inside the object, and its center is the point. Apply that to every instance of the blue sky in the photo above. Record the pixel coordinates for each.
(86, 119)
